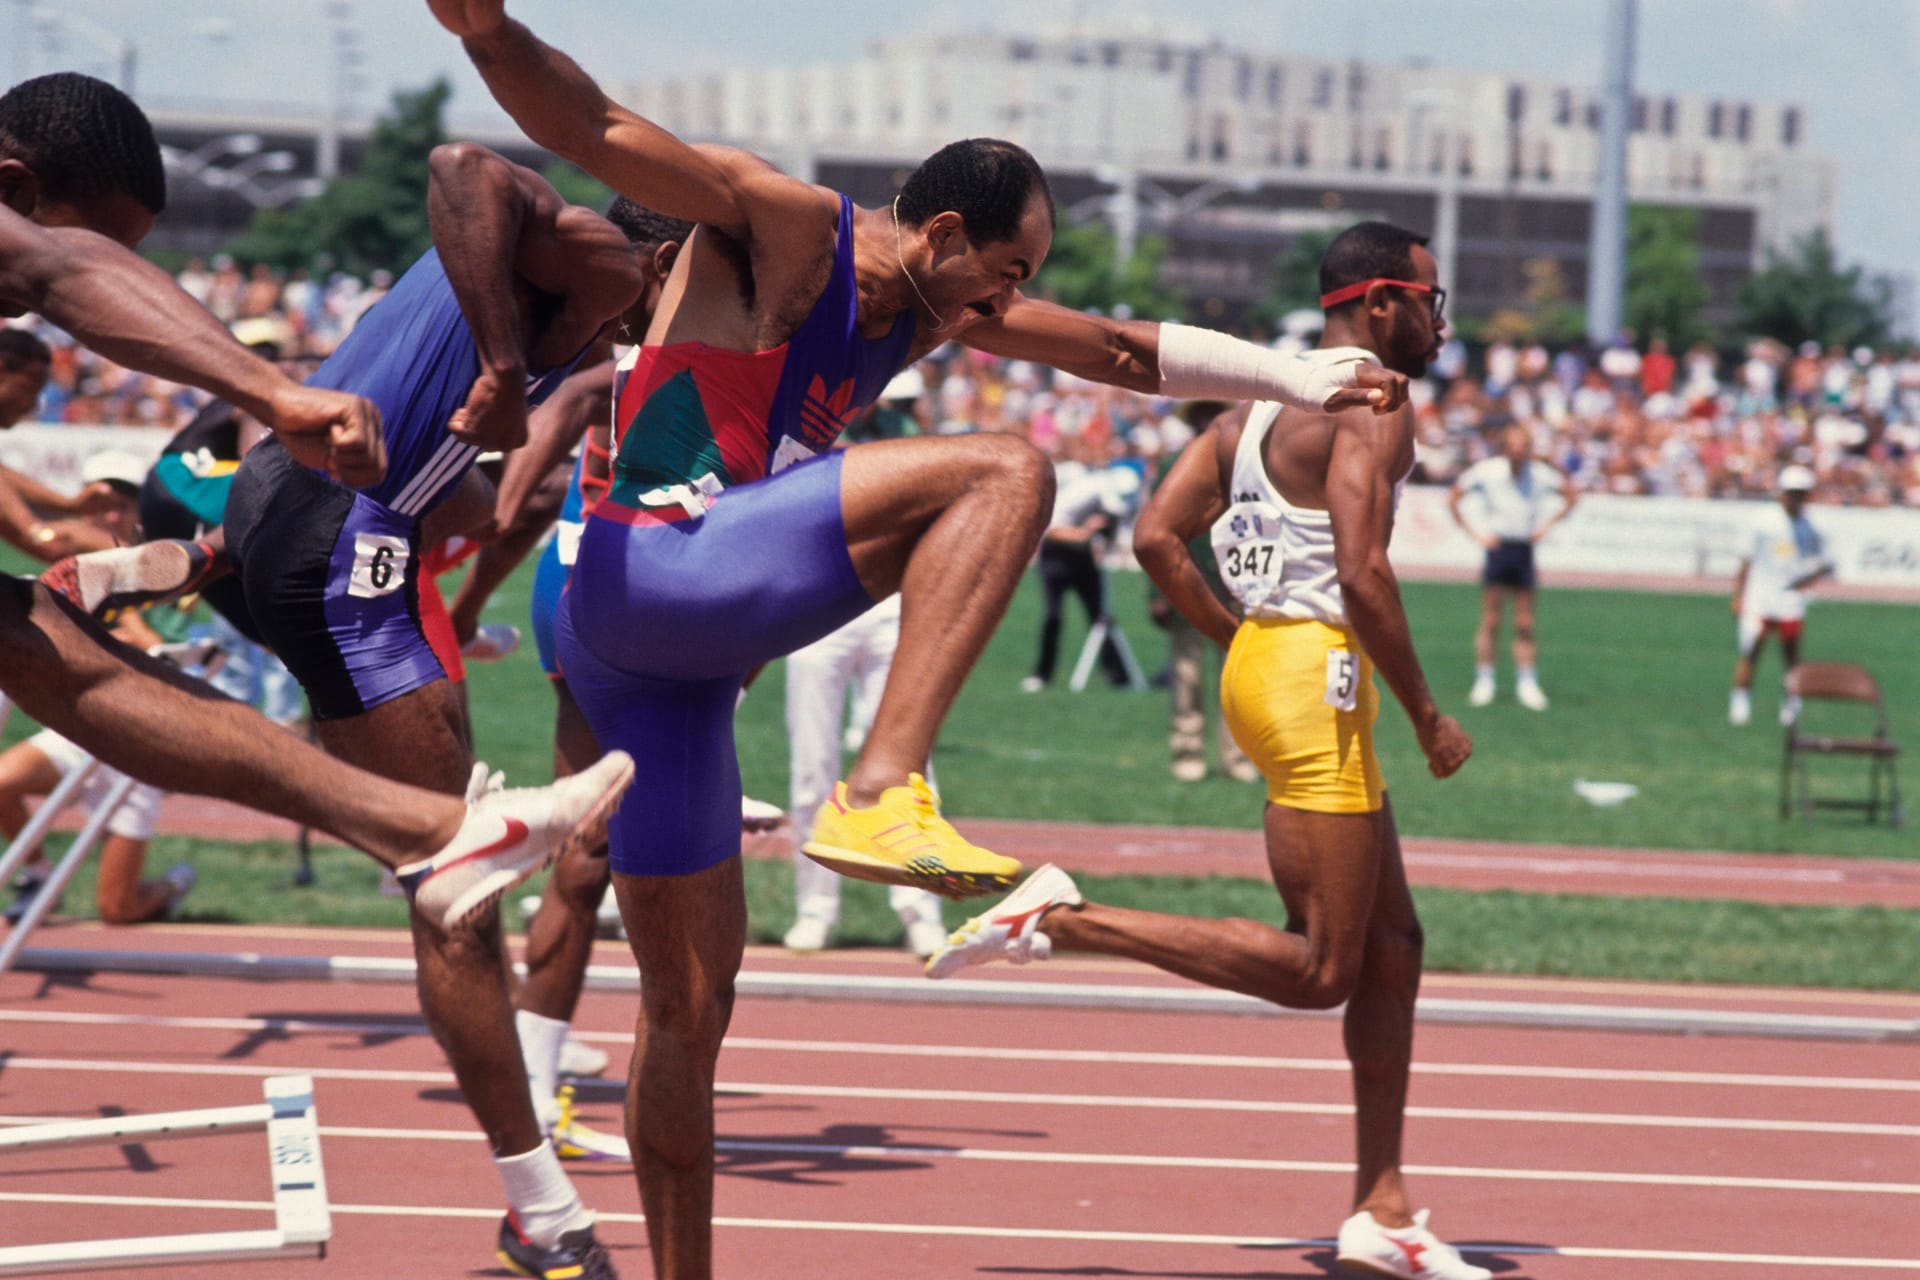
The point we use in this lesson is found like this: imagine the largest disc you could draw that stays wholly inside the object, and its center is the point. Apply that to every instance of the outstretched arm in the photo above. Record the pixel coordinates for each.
(133, 313)
(559, 106)
(1184, 362)
(1183, 507)
(1367, 458)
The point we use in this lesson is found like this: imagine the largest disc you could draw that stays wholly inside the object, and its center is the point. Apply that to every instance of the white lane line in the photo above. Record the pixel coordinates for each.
(1831, 1263)
(1256, 1062)
(815, 1150)
(1254, 1106)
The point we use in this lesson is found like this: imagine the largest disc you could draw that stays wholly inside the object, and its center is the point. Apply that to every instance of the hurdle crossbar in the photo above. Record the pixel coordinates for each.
(302, 1221)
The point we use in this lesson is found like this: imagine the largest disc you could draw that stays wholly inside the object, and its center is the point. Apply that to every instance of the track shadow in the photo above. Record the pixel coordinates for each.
(371, 1030)
(822, 1160)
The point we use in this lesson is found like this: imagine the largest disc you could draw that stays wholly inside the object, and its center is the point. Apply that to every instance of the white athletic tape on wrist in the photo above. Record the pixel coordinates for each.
(1200, 363)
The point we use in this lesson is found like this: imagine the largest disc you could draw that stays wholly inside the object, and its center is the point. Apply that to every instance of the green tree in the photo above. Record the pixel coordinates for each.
(376, 218)
(1665, 294)
(1294, 282)
(1805, 295)
(1081, 272)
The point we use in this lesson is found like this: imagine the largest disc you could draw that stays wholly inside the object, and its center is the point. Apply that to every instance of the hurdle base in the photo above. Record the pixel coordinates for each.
(155, 1251)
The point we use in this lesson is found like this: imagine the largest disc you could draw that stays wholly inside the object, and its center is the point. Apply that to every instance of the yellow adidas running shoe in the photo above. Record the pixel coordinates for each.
(903, 840)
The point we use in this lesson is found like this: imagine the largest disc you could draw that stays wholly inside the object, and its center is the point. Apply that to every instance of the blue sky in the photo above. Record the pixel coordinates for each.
(1854, 64)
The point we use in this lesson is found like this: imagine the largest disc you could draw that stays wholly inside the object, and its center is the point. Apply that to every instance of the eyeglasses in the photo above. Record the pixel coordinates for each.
(1352, 291)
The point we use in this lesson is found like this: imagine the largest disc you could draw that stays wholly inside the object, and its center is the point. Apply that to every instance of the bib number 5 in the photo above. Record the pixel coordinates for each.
(1343, 679)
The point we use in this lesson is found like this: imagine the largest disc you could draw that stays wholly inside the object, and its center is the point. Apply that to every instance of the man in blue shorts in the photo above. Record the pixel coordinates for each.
(518, 286)
(733, 533)
(81, 183)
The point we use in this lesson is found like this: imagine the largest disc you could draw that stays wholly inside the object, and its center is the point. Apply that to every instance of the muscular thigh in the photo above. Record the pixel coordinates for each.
(762, 572)
(417, 738)
(1331, 873)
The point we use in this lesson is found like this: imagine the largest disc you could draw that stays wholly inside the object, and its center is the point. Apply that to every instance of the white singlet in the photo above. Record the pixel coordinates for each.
(1276, 558)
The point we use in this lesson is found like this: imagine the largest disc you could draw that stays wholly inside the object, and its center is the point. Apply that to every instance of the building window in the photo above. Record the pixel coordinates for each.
(1022, 51)
(1639, 114)
(1222, 132)
(1516, 102)
(1323, 87)
(1303, 144)
(1465, 163)
(1790, 127)
(1357, 150)
(1563, 107)
(1593, 116)
(1243, 79)
(1192, 85)
(1356, 87)
(1669, 116)
(1383, 149)
(1543, 161)
(1110, 54)
(1273, 85)
(1743, 122)
(1716, 119)
(1163, 59)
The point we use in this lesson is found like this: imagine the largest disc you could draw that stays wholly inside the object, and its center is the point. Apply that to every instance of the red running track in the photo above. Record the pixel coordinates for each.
(891, 1140)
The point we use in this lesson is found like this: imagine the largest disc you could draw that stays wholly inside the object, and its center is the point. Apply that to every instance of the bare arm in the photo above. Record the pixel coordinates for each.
(1366, 460)
(560, 107)
(1453, 505)
(1740, 585)
(1568, 497)
(130, 311)
(1181, 361)
(499, 226)
(1184, 506)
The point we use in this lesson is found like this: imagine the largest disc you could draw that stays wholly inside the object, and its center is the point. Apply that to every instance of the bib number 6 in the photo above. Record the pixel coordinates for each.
(379, 565)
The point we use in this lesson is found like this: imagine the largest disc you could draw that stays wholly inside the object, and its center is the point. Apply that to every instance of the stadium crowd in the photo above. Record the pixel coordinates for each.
(1627, 421)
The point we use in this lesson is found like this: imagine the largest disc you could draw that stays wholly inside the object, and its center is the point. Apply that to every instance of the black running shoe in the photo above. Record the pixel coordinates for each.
(578, 1256)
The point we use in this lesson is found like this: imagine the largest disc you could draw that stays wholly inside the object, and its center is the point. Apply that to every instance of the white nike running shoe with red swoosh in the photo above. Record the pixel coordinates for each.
(509, 835)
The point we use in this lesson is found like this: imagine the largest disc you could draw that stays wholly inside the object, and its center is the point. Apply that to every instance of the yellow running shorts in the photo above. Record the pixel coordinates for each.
(1299, 698)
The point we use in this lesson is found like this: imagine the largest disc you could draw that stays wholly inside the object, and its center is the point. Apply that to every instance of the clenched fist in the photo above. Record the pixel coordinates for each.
(331, 430)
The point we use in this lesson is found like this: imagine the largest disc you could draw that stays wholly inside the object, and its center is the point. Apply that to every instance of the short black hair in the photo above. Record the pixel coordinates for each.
(986, 181)
(646, 228)
(84, 139)
(18, 348)
(1368, 251)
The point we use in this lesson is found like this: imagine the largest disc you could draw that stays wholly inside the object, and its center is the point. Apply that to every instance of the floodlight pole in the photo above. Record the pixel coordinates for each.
(1607, 248)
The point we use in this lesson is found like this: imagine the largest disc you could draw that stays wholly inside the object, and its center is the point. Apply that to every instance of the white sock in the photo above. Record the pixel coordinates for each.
(1484, 672)
(1529, 676)
(543, 1200)
(540, 1041)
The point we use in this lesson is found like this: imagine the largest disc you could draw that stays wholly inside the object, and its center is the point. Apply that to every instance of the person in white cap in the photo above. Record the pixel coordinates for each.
(1783, 555)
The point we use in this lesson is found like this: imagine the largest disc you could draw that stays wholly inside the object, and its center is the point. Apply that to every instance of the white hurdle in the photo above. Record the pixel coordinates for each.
(302, 1221)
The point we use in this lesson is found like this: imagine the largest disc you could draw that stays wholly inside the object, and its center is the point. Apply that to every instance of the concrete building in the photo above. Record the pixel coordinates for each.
(1231, 151)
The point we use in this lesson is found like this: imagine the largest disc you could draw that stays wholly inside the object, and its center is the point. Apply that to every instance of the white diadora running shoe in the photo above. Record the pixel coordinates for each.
(1010, 931)
(1410, 1253)
(509, 835)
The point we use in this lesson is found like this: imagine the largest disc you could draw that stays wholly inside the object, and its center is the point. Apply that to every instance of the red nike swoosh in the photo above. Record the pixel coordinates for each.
(1015, 924)
(516, 832)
